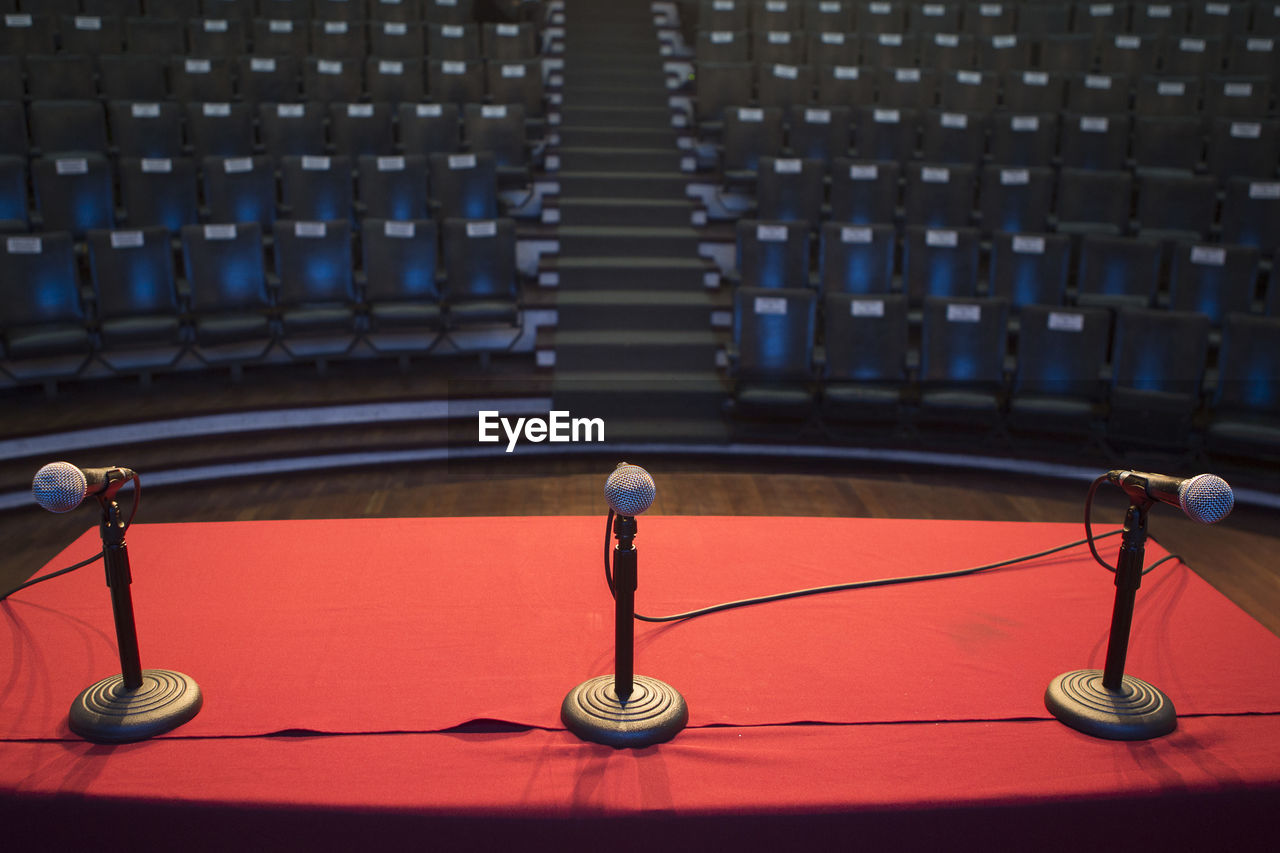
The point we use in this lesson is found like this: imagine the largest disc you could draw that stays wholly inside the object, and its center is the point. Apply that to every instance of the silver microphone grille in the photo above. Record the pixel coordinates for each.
(1206, 498)
(59, 487)
(629, 490)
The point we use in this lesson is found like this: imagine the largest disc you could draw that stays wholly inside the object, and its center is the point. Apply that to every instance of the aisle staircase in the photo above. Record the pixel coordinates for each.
(635, 342)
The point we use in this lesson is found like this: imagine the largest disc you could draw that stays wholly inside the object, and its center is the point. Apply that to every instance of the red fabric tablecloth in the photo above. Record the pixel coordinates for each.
(374, 643)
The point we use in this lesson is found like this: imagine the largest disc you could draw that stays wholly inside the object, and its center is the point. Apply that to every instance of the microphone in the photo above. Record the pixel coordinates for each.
(625, 709)
(1204, 498)
(61, 486)
(630, 490)
(138, 703)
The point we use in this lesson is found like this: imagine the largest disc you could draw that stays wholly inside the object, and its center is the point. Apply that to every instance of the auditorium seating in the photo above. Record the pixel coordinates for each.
(1058, 384)
(856, 259)
(135, 298)
(159, 191)
(1073, 160)
(771, 355)
(1158, 365)
(890, 154)
(1029, 268)
(1115, 271)
(43, 328)
(773, 254)
(13, 194)
(480, 276)
(1213, 280)
(1245, 409)
(316, 292)
(223, 267)
(74, 194)
(392, 187)
(788, 188)
(399, 283)
(865, 375)
(962, 351)
(150, 130)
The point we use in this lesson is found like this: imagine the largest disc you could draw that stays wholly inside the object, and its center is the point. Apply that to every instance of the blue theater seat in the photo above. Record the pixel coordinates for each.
(139, 327)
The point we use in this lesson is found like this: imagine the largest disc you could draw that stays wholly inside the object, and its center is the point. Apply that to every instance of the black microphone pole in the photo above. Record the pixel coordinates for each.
(1110, 704)
(1133, 547)
(115, 557)
(625, 581)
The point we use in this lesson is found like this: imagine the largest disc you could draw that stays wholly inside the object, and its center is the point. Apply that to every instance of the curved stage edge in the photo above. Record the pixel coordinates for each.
(225, 424)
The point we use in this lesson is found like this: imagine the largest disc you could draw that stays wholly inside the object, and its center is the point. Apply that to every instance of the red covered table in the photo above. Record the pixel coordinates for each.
(403, 677)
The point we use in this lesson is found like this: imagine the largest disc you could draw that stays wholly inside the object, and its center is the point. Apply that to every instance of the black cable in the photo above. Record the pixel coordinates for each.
(52, 575)
(137, 499)
(608, 566)
(1088, 527)
(782, 596)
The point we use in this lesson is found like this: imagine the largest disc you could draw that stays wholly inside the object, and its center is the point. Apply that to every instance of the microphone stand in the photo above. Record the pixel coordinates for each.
(625, 709)
(137, 703)
(1110, 704)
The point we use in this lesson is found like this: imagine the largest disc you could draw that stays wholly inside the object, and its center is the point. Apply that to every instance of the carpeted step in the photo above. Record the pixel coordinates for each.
(673, 310)
(585, 241)
(607, 55)
(690, 273)
(616, 116)
(662, 138)
(637, 349)
(618, 394)
(576, 159)
(615, 94)
(631, 74)
(631, 212)
(593, 184)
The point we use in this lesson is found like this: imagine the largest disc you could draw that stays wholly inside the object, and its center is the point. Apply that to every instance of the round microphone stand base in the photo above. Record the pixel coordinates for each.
(1136, 711)
(109, 712)
(655, 712)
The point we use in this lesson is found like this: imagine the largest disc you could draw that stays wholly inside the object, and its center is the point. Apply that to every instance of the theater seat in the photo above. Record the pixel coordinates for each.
(1214, 280)
(791, 189)
(771, 356)
(139, 326)
(1158, 362)
(316, 189)
(159, 191)
(74, 194)
(1058, 385)
(14, 215)
(865, 365)
(392, 187)
(962, 356)
(1245, 407)
(480, 272)
(399, 284)
(316, 290)
(940, 262)
(43, 321)
(773, 254)
(463, 185)
(223, 267)
(856, 259)
(1029, 269)
(1117, 271)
